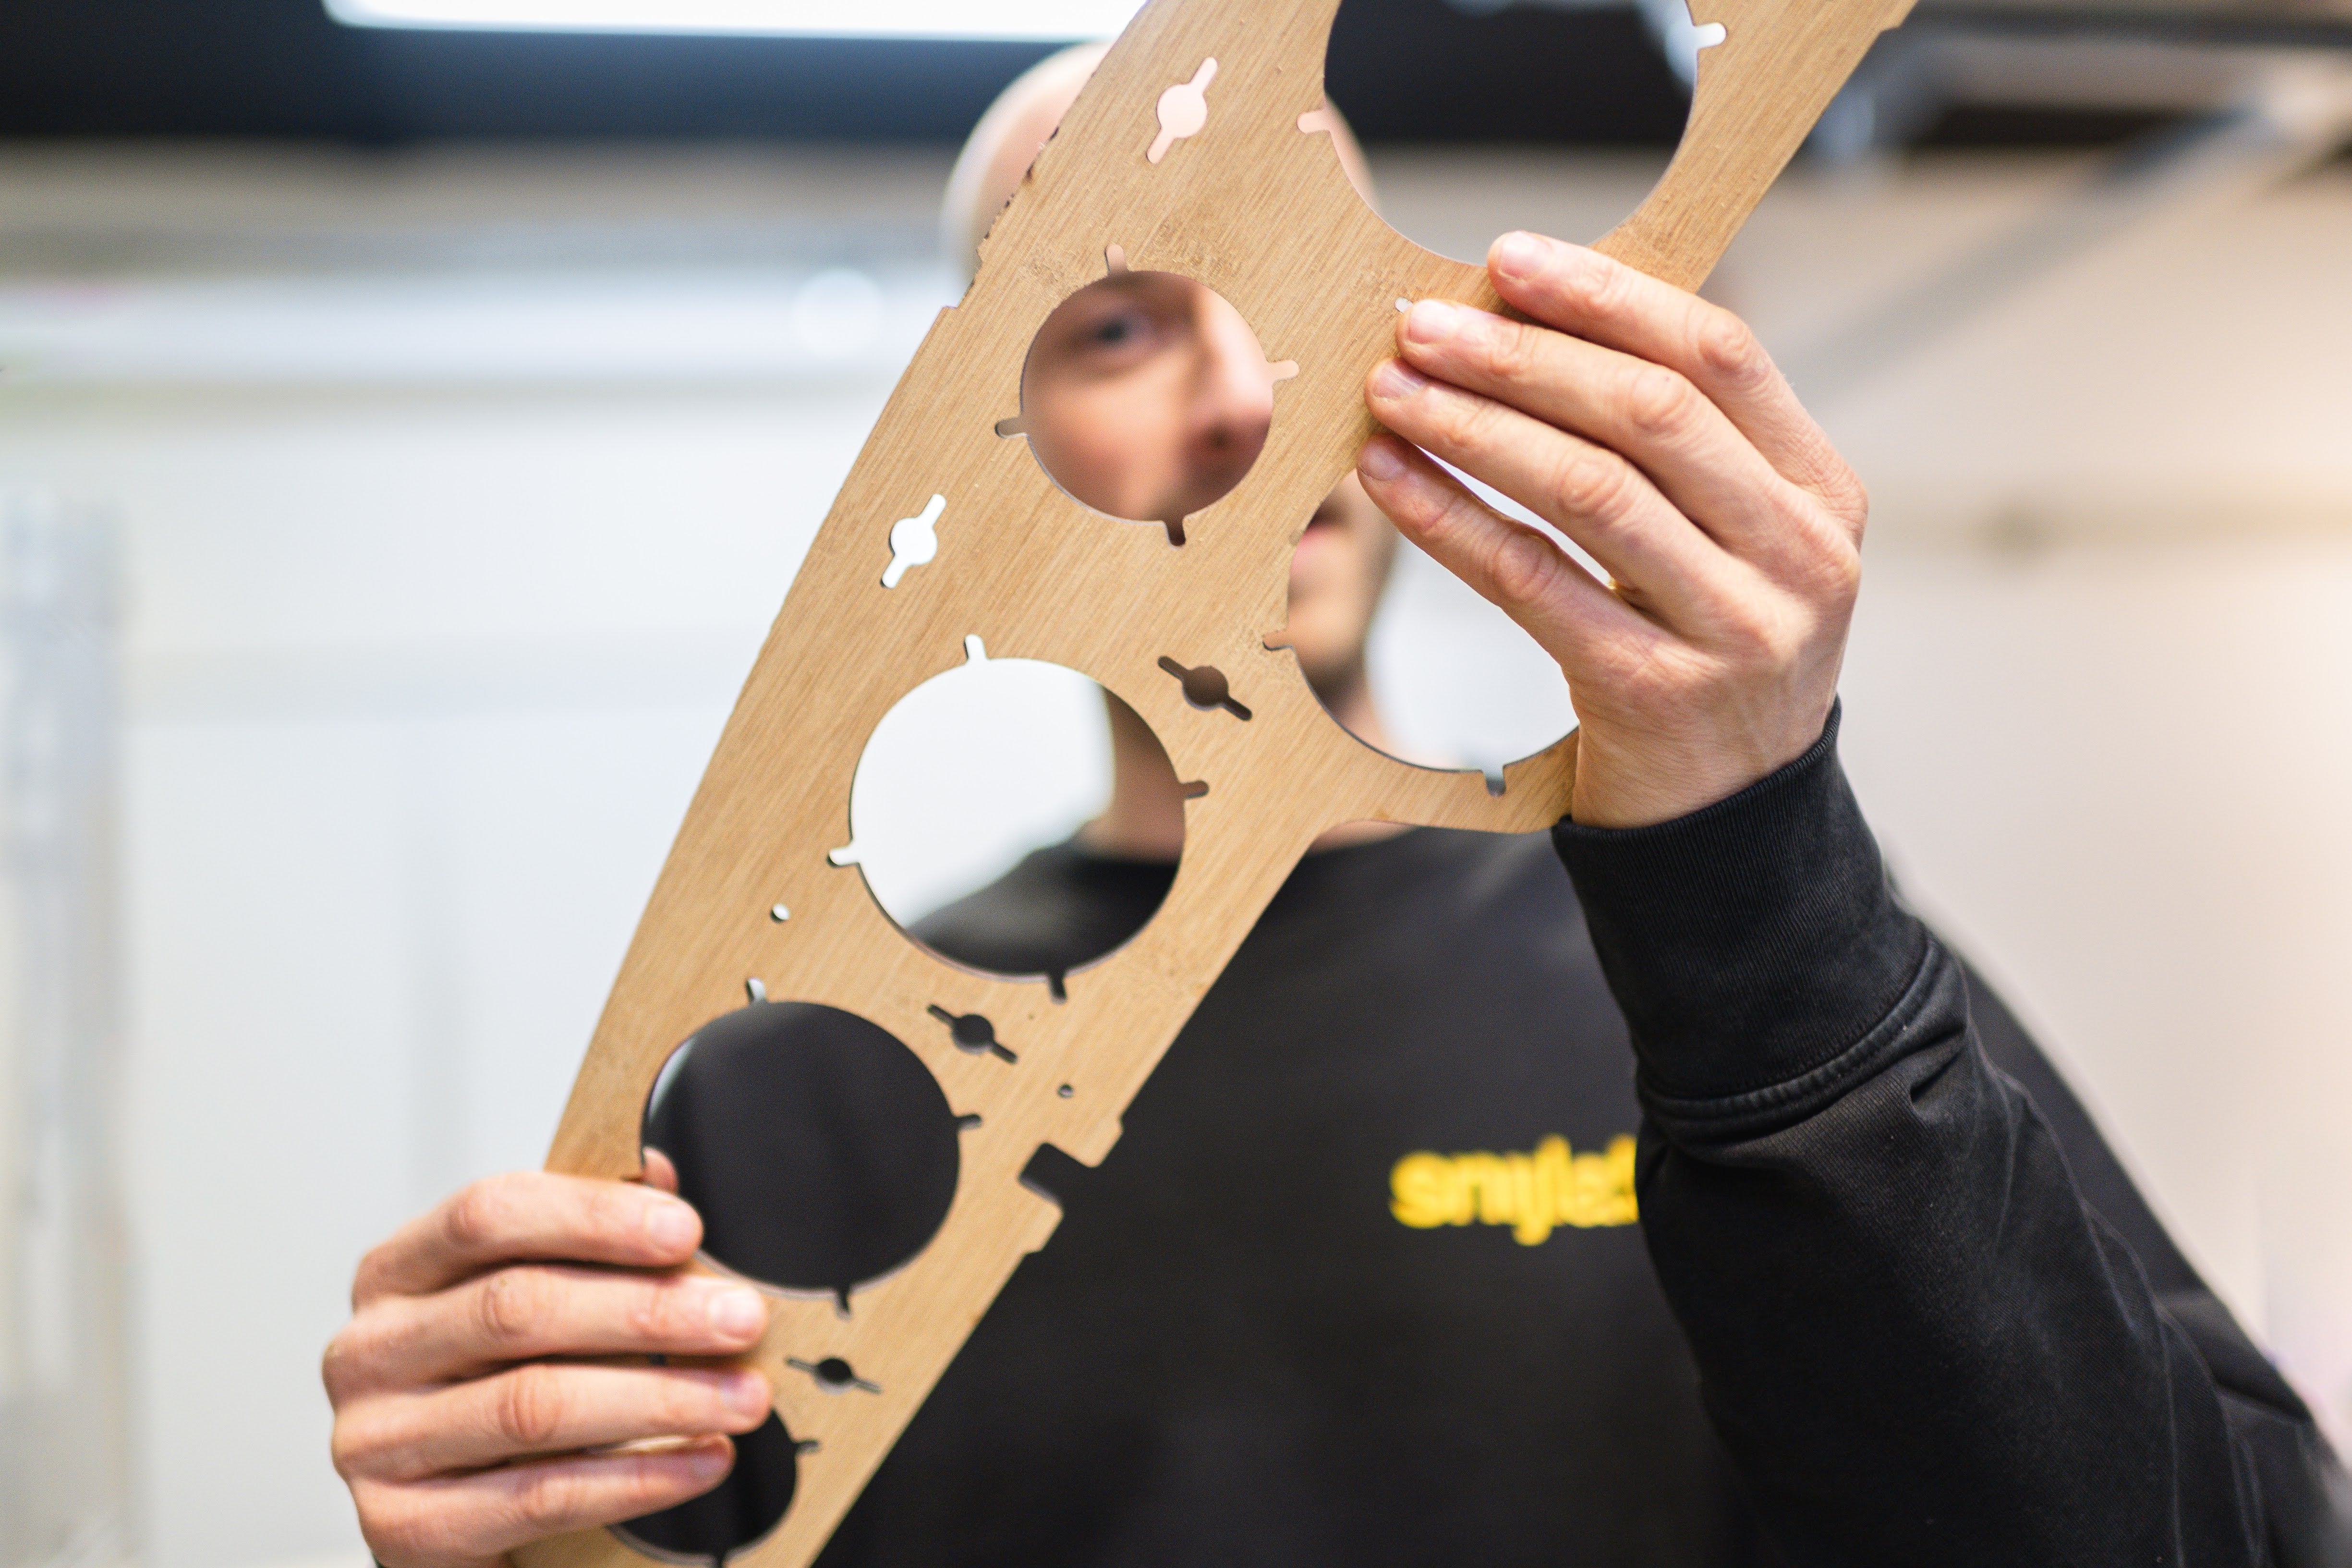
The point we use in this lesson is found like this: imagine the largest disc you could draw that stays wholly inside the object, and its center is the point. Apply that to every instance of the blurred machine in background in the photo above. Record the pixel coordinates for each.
(65, 1480)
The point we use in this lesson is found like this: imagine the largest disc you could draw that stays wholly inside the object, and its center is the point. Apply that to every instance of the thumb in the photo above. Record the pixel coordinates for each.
(659, 1171)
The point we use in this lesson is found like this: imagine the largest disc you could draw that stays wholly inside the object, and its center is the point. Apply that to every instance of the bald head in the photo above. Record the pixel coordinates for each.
(1018, 125)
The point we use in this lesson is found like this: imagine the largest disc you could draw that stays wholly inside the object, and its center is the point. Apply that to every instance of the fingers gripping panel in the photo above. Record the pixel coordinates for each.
(947, 530)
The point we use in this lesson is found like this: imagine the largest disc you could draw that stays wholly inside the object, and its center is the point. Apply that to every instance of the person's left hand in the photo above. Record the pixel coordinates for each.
(1650, 427)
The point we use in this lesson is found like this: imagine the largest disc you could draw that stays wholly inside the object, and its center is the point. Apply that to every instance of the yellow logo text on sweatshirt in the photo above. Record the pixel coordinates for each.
(1530, 1192)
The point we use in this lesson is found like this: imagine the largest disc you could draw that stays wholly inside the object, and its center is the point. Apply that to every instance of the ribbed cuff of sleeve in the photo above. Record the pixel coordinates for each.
(1750, 942)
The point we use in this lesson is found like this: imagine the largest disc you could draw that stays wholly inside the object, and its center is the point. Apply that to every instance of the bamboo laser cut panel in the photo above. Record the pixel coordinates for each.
(1198, 148)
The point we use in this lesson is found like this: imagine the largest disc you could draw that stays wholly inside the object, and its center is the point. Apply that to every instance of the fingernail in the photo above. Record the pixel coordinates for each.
(1380, 460)
(670, 1224)
(737, 1312)
(747, 1394)
(1394, 379)
(1433, 321)
(710, 1459)
(1518, 254)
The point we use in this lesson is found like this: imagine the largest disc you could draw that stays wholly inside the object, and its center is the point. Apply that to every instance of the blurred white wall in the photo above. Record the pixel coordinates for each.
(459, 489)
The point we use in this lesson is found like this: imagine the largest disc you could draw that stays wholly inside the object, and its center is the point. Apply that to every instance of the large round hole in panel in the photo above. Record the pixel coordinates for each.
(1459, 682)
(968, 807)
(736, 1513)
(1145, 395)
(1408, 658)
(818, 1149)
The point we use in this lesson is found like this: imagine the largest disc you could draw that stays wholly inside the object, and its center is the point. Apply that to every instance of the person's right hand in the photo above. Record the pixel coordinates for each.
(463, 1428)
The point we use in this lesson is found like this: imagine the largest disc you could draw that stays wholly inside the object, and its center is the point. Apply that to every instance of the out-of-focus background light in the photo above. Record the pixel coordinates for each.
(1021, 20)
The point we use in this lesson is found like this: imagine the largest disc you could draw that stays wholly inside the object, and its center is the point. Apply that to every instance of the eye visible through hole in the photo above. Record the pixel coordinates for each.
(818, 1149)
(1145, 395)
(981, 811)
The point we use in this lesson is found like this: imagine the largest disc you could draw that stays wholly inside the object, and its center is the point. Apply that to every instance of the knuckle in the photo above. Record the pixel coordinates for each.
(1648, 686)
(614, 1212)
(1824, 559)
(511, 1308)
(481, 1215)
(685, 1404)
(1605, 285)
(667, 1311)
(653, 1313)
(1513, 353)
(342, 1367)
(1730, 348)
(390, 1531)
(419, 1531)
(346, 1448)
(1841, 575)
(1523, 567)
(1459, 421)
(528, 1408)
(1446, 523)
(1658, 402)
(1757, 638)
(1744, 630)
(1589, 483)
(1847, 496)
(367, 1280)
(354, 1359)
(549, 1500)
(368, 1446)
(1644, 679)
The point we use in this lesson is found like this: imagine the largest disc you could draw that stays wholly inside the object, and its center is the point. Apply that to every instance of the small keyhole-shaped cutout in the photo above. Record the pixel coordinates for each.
(914, 541)
(1206, 688)
(972, 1032)
(1183, 109)
(832, 1375)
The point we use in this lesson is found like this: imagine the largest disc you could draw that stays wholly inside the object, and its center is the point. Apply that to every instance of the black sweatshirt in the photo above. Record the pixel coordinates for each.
(1360, 1284)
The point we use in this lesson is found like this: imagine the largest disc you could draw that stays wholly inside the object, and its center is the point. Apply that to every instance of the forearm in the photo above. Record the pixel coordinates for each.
(1918, 1341)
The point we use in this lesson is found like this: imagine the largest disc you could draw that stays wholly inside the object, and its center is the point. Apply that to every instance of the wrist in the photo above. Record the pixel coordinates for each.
(1631, 778)
(1752, 940)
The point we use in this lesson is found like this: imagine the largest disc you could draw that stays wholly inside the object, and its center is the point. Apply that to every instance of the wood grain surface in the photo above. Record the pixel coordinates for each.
(1257, 206)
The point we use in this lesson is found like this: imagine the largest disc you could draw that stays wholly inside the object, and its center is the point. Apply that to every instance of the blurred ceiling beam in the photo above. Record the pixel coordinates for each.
(1430, 71)
(2267, 116)
(1406, 70)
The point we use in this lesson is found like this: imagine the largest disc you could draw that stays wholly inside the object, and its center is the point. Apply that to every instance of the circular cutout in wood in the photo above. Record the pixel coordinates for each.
(817, 1148)
(1146, 396)
(971, 808)
(740, 1512)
